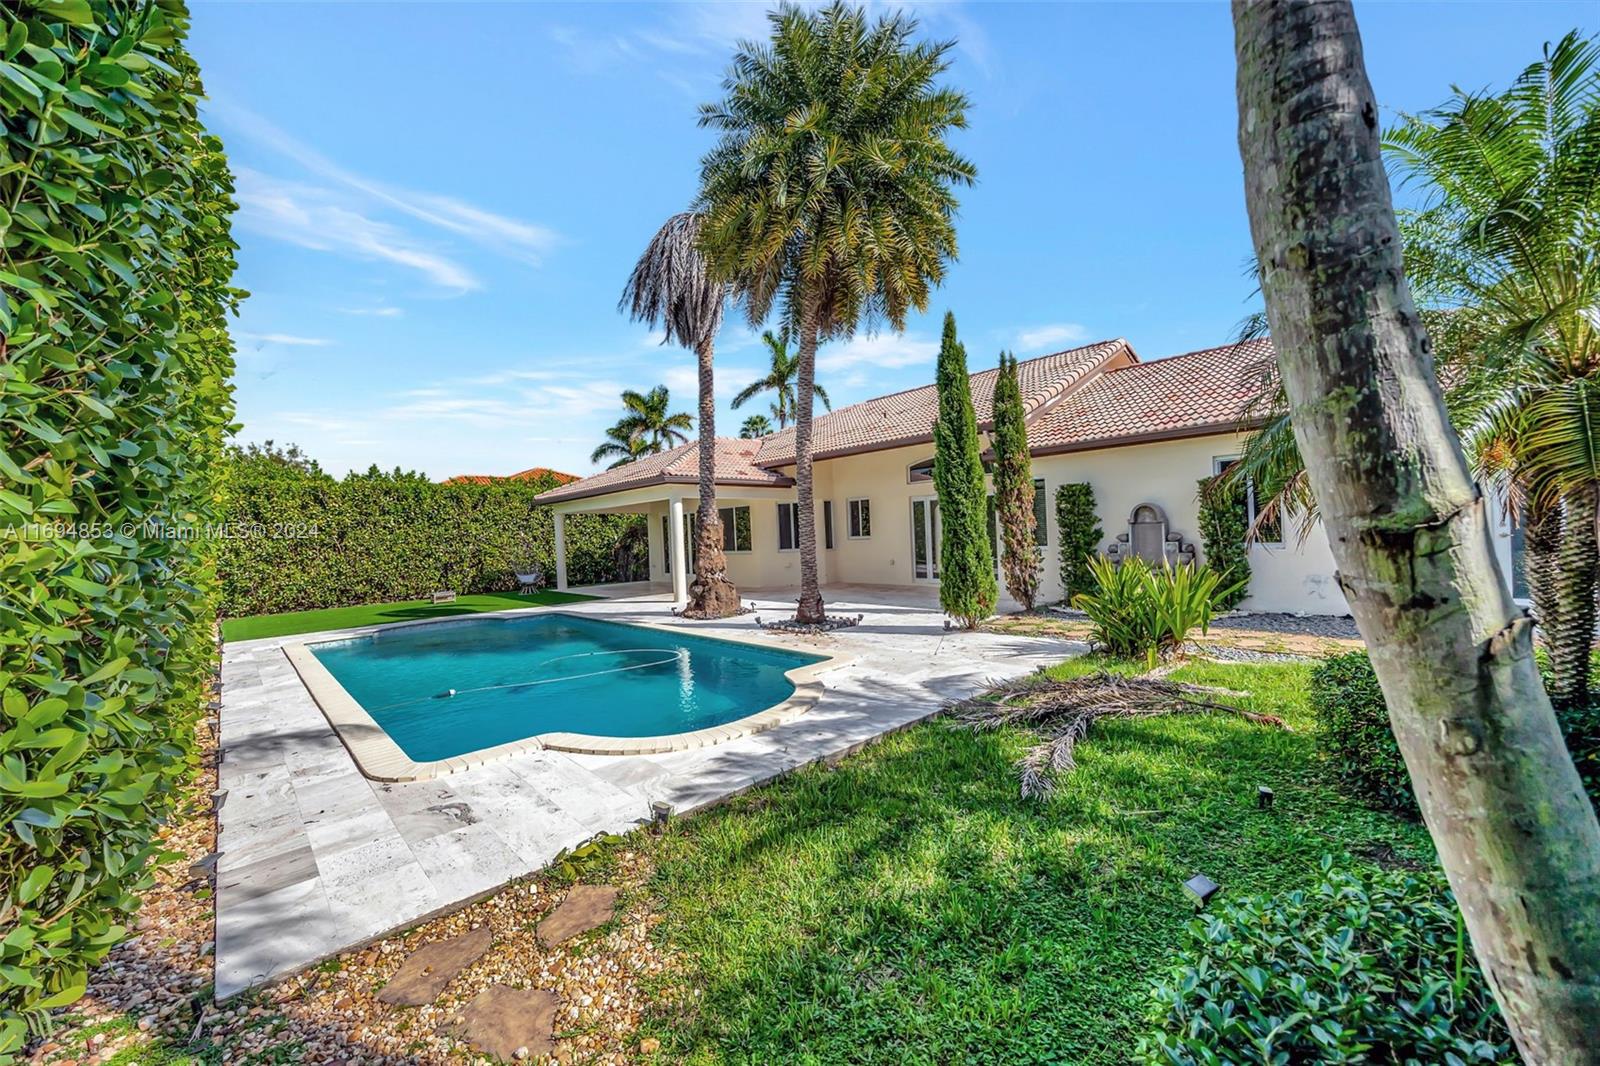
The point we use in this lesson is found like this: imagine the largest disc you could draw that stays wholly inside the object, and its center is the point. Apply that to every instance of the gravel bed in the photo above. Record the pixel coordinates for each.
(1230, 654)
(1340, 627)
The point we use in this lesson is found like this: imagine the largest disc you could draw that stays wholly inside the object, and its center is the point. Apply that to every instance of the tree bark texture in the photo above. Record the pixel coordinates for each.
(1409, 529)
(810, 610)
(711, 594)
(1571, 631)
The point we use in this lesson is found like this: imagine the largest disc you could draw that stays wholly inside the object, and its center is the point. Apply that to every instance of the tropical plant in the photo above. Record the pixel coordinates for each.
(755, 426)
(779, 380)
(1502, 259)
(1407, 525)
(1142, 612)
(1014, 488)
(967, 586)
(1364, 966)
(670, 289)
(1225, 536)
(116, 262)
(646, 429)
(1079, 527)
(830, 192)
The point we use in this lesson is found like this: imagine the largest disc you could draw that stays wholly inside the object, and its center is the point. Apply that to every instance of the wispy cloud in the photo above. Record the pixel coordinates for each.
(289, 339)
(312, 217)
(1056, 333)
(888, 351)
(374, 312)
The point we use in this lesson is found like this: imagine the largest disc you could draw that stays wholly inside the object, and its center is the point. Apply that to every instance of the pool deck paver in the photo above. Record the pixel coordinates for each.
(317, 859)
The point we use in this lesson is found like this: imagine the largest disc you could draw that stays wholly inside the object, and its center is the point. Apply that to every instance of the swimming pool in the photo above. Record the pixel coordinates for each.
(446, 689)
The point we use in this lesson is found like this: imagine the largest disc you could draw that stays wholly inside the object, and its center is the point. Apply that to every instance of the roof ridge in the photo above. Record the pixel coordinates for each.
(1198, 351)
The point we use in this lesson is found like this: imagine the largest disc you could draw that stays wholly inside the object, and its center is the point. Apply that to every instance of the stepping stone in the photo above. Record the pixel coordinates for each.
(585, 907)
(501, 1020)
(423, 976)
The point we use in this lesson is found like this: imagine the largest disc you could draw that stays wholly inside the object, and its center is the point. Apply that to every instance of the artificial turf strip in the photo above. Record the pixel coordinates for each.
(907, 906)
(283, 625)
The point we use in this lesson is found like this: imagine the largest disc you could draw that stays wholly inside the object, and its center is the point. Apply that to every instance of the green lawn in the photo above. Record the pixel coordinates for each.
(283, 625)
(908, 907)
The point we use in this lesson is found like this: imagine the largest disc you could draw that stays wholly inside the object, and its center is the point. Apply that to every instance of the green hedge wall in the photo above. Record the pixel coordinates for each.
(115, 268)
(298, 539)
(1224, 536)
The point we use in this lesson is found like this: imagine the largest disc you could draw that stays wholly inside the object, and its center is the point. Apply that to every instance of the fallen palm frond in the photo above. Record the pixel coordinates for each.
(1062, 711)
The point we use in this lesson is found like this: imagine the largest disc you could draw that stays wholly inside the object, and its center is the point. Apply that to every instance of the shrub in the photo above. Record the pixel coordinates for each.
(1224, 529)
(1080, 537)
(308, 540)
(1373, 968)
(1356, 738)
(114, 360)
(1141, 612)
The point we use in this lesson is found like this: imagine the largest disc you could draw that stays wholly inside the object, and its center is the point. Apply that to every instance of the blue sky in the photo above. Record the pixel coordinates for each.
(440, 202)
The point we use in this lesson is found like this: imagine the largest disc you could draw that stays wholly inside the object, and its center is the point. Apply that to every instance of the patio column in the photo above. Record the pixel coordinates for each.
(680, 556)
(561, 552)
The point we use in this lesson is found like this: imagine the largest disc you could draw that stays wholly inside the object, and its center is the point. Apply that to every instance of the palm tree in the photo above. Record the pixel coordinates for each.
(1502, 257)
(780, 380)
(755, 426)
(670, 289)
(645, 429)
(831, 192)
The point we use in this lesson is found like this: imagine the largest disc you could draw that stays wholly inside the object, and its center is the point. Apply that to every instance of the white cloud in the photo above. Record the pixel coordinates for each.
(888, 351)
(1054, 334)
(312, 217)
(283, 338)
(374, 312)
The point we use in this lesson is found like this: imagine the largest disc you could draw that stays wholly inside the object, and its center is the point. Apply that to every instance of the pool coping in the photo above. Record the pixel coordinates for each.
(379, 758)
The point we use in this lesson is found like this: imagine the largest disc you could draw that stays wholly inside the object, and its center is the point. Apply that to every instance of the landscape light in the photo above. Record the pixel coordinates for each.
(660, 811)
(1202, 888)
(1263, 797)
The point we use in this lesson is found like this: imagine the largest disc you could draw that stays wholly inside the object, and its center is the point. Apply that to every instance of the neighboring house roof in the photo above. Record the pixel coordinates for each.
(904, 418)
(1097, 396)
(533, 473)
(679, 466)
(1210, 391)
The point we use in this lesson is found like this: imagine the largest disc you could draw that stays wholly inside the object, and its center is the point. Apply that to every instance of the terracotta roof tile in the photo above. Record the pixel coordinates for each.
(1181, 395)
(680, 465)
(907, 417)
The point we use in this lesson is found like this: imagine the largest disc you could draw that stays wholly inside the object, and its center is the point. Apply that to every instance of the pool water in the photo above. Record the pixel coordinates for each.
(513, 678)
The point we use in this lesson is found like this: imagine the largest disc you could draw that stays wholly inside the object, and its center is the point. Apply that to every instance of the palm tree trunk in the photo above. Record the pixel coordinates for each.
(810, 609)
(1571, 632)
(711, 594)
(1409, 529)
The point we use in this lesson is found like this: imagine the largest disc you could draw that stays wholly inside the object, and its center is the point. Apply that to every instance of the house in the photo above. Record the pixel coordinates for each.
(1142, 433)
(533, 473)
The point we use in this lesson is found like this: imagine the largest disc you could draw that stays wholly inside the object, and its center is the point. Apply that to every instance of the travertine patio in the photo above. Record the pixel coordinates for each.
(316, 858)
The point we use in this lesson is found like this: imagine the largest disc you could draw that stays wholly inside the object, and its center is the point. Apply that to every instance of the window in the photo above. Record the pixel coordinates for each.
(1270, 531)
(735, 528)
(788, 527)
(860, 519)
(1041, 528)
(920, 472)
(827, 524)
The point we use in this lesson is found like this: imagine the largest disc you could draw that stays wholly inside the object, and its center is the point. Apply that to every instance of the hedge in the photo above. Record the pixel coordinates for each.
(299, 539)
(1080, 537)
(115, 266)
(1224, 536)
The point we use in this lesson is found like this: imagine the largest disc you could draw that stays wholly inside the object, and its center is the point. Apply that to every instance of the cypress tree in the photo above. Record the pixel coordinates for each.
(967, 586)
(1013, 487)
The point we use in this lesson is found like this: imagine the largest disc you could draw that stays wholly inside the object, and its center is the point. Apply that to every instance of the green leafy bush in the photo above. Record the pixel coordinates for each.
(1139, 611)
(306, 540)
(1357, 739)
(1080, 537)
(1224, 529)
(115, 266)
(1369, 968)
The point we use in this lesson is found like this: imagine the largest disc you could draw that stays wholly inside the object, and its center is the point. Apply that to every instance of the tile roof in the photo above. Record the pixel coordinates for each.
(907, 417)
(1182, 395)
(678, 466)
(533, 473)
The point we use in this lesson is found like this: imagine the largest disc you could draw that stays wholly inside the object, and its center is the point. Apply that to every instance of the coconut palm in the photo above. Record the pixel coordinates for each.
(780, 379)
(1504, 256)
(670, 289)
(646, 428)
(830, 192)
(755, 426)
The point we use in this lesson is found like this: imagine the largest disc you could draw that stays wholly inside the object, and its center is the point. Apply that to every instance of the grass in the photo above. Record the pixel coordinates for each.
(253, 627)
(908, 907)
